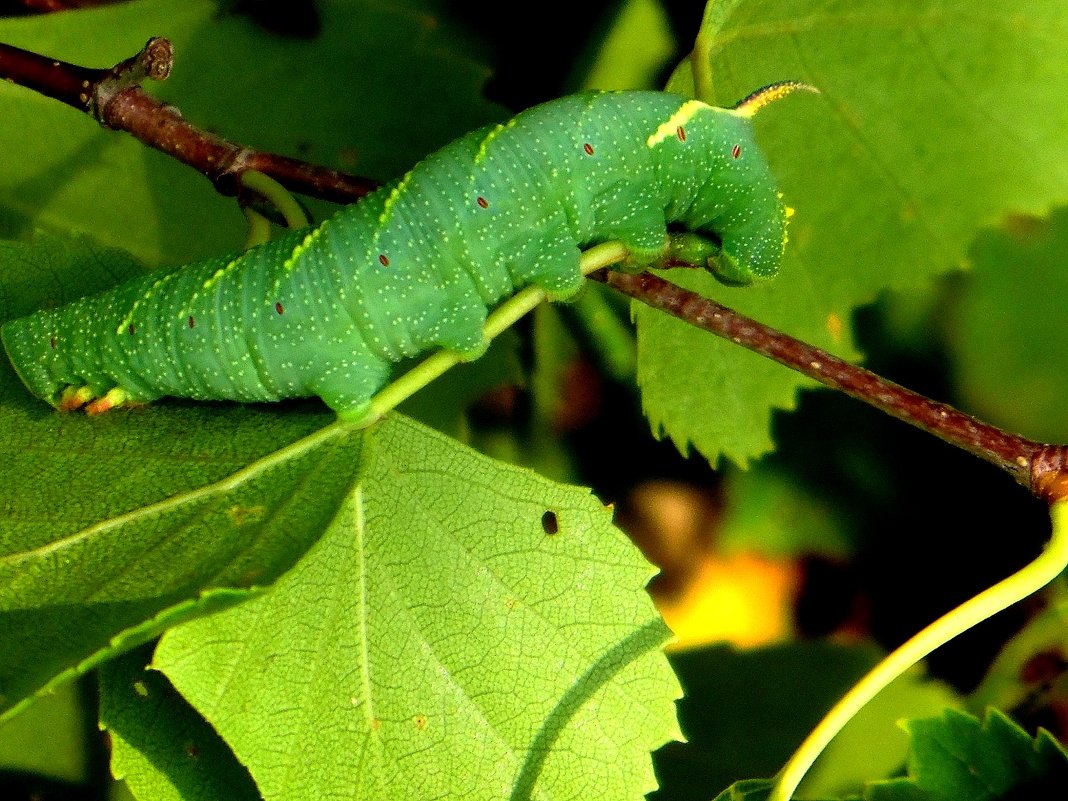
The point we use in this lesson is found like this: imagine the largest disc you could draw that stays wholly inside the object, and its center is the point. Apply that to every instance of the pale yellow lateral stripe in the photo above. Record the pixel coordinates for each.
(681, 117)
(302, 246)
(137, 303)
(392, 198)
(214, 279)
(480, 156)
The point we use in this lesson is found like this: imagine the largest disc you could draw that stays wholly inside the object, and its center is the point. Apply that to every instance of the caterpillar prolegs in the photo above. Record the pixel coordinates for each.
(415, 266)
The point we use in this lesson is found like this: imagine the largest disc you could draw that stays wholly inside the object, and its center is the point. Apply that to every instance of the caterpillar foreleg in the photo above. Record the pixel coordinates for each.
(688, 248)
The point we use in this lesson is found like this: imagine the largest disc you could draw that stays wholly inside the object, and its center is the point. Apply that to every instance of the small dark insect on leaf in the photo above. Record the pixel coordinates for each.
(549, 523)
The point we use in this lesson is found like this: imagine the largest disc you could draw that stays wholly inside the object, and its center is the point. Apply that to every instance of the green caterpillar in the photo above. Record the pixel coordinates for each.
(329, 311)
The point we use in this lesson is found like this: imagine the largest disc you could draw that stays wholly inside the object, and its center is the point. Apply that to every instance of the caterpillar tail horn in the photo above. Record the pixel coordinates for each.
(749, 105)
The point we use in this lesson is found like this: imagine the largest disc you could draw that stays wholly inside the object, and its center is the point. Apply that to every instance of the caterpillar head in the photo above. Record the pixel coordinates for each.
(739, 205)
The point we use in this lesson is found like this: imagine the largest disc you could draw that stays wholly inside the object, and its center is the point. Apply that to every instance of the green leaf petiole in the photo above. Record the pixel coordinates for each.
(1032, 577)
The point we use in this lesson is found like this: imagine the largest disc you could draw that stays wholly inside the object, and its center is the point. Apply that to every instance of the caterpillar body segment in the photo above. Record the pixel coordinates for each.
(328, 311)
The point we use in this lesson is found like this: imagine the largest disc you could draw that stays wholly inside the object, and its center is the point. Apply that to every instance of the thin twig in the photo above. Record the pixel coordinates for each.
(1042, 468)
(115, 99)
(50, 6)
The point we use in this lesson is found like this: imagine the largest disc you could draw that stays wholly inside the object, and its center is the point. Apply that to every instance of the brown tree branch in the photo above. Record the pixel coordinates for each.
(1041, 468)
(50, 6)
(115, 98)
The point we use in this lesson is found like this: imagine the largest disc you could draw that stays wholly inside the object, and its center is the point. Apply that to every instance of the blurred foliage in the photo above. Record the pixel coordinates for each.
(958, 756)
(745, 711)
(1006, 330)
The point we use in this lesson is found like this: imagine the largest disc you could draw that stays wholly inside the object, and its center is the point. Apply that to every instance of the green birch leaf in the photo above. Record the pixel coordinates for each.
(936, 117)
(113, 528)
(464, 629)
(50, 270)
(160, 747)
(957, 756)
(635, 49)
(85, 576)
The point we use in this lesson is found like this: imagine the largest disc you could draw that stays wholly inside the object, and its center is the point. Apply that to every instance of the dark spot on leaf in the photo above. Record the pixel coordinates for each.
(736, 151)
(483, 202)
(383, 260)
(549, 523)
(681, 133)
(52, 342)
(278, 307)
(588, 148)
(192, 322)
(131, 329)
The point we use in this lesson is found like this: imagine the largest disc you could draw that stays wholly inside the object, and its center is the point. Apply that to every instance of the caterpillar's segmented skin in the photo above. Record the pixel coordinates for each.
(328, 311)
